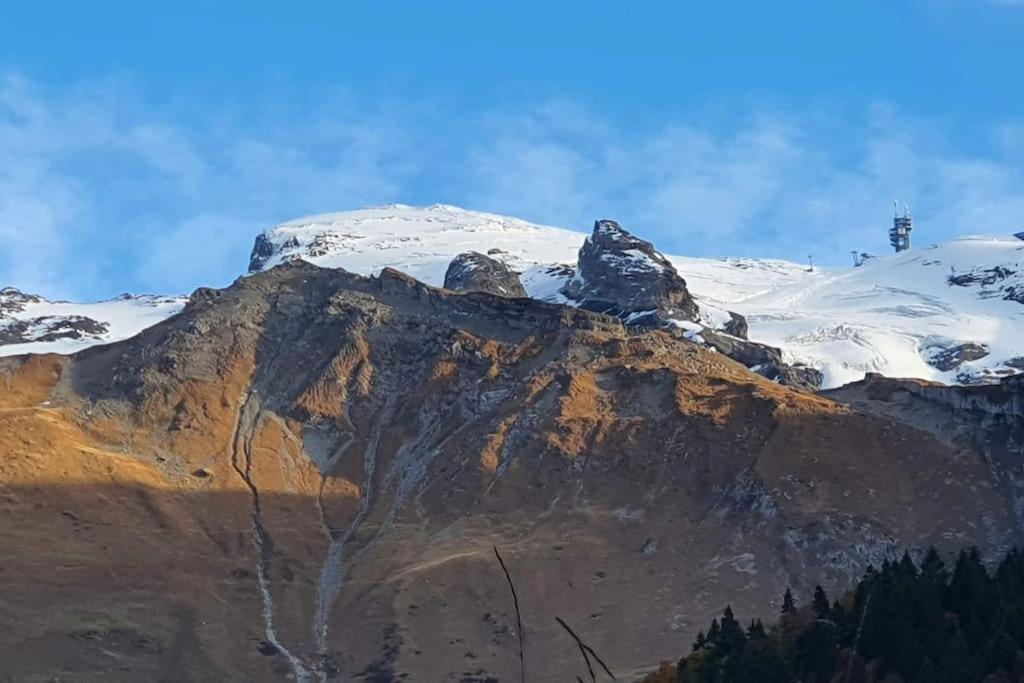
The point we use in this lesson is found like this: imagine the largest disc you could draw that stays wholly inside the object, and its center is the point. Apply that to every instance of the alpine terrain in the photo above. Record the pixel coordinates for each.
(304, 476)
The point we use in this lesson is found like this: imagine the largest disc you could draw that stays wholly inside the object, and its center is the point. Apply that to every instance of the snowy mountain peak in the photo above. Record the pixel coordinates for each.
(952, 312)
(421, 242)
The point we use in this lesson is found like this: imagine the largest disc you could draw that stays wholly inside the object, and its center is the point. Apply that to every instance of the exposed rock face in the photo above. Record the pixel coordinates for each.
(953, 357)
(750, 354)
(308, 471)
(12, 300)
(797, 375)
(621, 275)
(262, 250)
(474, 272)
(737, 325)
(42, 328)
(989, 418)
(764, 360)
(50, 328)
(998, 281)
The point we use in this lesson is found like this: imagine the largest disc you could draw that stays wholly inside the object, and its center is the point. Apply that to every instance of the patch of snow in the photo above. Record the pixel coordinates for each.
(124, 316)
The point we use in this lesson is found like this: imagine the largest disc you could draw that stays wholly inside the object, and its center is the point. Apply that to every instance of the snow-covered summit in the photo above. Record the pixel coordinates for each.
(420, 241)
(901, 315)
(896, 315)
(952, 312)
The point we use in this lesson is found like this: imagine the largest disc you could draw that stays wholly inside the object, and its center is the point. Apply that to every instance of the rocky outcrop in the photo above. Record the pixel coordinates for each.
(998, 281)
(621, 275)
(737, 325)
(950, 358)
(21, 329)
(474, 272)
(262, 251)
(764, 360)
(797, 375)
(49, 328)
(13, 300)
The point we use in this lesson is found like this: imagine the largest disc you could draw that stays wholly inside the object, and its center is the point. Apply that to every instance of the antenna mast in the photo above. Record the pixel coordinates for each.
(899, 233)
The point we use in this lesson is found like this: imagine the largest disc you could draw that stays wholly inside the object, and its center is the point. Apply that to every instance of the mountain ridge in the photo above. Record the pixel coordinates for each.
(949, 313)
(311, 444)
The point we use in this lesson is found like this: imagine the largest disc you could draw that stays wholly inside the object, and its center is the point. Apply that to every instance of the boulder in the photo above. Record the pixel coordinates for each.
(474, 272)
(765, 360)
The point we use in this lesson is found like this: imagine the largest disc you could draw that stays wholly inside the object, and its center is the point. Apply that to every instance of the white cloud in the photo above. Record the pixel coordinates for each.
(100, 191)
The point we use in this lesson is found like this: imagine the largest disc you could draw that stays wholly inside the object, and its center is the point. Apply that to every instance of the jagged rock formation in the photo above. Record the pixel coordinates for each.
(474, 272)
(262, 250)
(621, 275)
(308, 471)
(950, 358)
(624, 276)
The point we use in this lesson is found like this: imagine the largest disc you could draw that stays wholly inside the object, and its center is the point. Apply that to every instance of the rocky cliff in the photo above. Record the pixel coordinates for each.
(303, 476)
(988, 418)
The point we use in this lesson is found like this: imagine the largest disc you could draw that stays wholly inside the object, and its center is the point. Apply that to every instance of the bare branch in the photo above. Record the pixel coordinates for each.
(519, 620)
(584, 650)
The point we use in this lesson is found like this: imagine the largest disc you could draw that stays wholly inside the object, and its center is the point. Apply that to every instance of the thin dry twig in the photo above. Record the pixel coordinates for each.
(584, 650)
(519, 620)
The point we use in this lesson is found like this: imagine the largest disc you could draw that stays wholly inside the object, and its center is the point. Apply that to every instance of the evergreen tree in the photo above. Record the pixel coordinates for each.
(816, 651)
(957, 664)
(820, 603)
(933, 570)
(788, 604)
(907, 568)
(762, 662)
(756, 630)
(713, 633)
(1000, 653)
(731, 637)
(901, 623)
(971, 597)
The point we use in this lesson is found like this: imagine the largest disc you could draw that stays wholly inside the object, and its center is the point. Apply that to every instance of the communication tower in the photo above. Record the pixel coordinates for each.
(899, 233)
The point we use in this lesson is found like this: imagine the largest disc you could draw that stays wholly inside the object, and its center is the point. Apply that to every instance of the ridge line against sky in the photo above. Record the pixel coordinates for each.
(127, 168)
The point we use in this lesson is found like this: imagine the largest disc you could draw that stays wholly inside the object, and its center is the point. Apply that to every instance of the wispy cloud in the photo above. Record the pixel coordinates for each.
(101, 191)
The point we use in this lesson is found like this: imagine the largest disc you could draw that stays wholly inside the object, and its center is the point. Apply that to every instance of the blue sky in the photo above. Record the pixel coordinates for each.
(143, 145)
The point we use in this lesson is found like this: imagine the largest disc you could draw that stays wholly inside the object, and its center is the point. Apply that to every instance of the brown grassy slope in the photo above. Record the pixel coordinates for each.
(634, 483)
